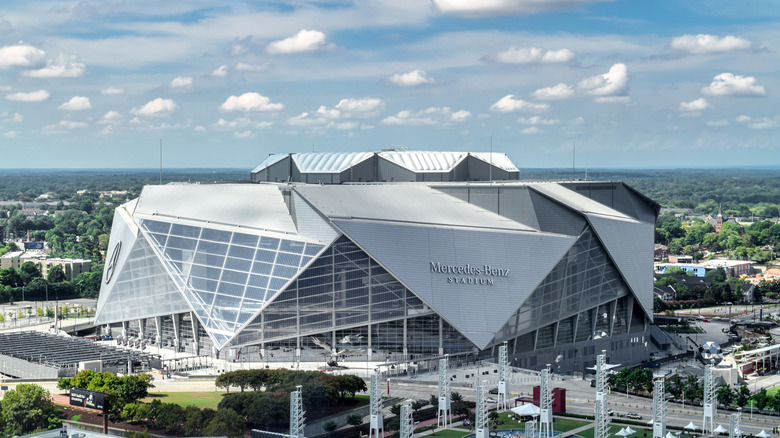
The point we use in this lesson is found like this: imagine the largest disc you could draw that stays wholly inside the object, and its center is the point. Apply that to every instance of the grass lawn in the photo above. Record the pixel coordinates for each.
(207, 399)
(449, 433)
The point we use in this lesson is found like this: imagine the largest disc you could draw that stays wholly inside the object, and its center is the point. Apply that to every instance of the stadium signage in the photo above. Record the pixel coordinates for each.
(111, 265)
(89, 399)
(469, 274)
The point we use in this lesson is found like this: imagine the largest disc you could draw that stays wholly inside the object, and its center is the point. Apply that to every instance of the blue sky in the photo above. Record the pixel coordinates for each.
(223, 84)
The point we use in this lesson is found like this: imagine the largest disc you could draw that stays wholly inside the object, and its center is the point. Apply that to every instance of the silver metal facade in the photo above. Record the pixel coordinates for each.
(393, 270)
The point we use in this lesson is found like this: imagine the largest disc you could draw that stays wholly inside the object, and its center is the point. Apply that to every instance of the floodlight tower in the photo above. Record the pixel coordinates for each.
(503, 377)
(297, 414)
(735, 428)
(710, 403)
(377, 420)
(530, 429)
(545, 403)
(601, 426)
(480, 418)
(659, 409)
(407, 426)
(445, 407)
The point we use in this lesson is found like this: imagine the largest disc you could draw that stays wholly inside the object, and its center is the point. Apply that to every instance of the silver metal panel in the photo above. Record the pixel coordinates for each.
(555, 218)
(630, 245)
(574, 200)
(258, 206)
(407, 203)
(391, 172)
(311, 224)
(326, 162)
(123, 232)
(424, 161)
(270, 161)
(486, 276)
(496, 159)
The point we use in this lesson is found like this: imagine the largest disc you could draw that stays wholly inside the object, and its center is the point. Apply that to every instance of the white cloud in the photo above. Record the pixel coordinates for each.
(111, 91)
(304, 41)
(411, 79)
(482, 8)
(76, 103)
(612, 83)
(728, 84)
(557, 92)
(112, 115)
(718, 123)
(308, 119)
(344, 126)
(250, 102)
(532, 130)
(532, 55)
(536, 120)
(33, 96)
(181, 81)
(699, 104)
(11, 134)
(200, 128)
(742, 119)
(155, 107)
(430, 116)
(15, 117)
(242, 134)
(251, 68)
(220, 72)
(21, 56)
(365, 107)
(612, 99)
(67, 125)
(703, 43)
(508, 104)
(241, 122)
(63, 66)
(765, 123)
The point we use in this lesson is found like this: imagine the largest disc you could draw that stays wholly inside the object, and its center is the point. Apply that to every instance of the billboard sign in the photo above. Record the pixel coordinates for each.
(33, 245)
(89, 399)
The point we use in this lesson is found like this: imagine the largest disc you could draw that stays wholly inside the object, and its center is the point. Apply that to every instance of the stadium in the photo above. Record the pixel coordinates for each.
(385, 257)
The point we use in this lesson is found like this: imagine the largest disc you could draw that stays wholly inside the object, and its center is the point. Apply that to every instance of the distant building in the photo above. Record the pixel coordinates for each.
(660, 252)
(733, 268)
(71, 267)
(11, 260)
(680, 259)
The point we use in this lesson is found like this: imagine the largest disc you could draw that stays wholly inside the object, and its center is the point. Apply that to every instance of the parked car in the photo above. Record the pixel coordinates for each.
(609, 412)
(633, 416)
(493, 391)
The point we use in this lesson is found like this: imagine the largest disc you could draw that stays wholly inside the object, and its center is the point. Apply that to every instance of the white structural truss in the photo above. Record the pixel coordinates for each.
(545, 403)
(407, 426)
(297, 414)
(377, 429)
(503, 377)
(445, 407)
(735, 428)
(530, 429)
(710, 403)
(480, 417)
(659, 409)
(601, 426)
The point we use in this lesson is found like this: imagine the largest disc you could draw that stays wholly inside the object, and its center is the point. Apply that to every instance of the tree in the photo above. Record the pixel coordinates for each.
(395, 409)
(170, 417)
(354, 420)
(225, 422)
(743, 395)
(28, 271)
(56, 275)
(725, 395)
(330, 426)
(434, 400)
(28, 408)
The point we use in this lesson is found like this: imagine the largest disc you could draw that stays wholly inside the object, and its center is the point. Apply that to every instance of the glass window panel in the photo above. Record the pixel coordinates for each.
(312, 249)
(212, 247)
(231, 289)
(159, 238)
(209, 259)
(238, 264)
(156, 226)
(234, 276)
(262, 268)
(203, 284)
(284, 271)
(254, 293)
(185, 230)
(205, 272)
(241, 252)
(292, 246)
(182, 243)
(245, 239)
(260, 281)
(277, 283)
(269, 243)
(288, 259)
(216, 235)
(266, 256)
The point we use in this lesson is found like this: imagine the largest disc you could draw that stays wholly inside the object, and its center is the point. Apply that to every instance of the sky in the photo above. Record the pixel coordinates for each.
(624, 83)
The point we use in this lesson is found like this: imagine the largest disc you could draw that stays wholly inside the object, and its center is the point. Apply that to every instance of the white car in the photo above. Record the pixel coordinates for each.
(491, 400)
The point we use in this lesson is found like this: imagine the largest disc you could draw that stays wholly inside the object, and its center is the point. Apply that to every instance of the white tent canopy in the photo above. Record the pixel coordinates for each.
(629, 430)
(690, 426)
(622, 433)
(526, 410)
(720, 429)
(763, 434)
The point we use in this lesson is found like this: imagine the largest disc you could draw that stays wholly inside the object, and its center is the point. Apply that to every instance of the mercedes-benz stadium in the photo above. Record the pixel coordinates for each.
(366, 269)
